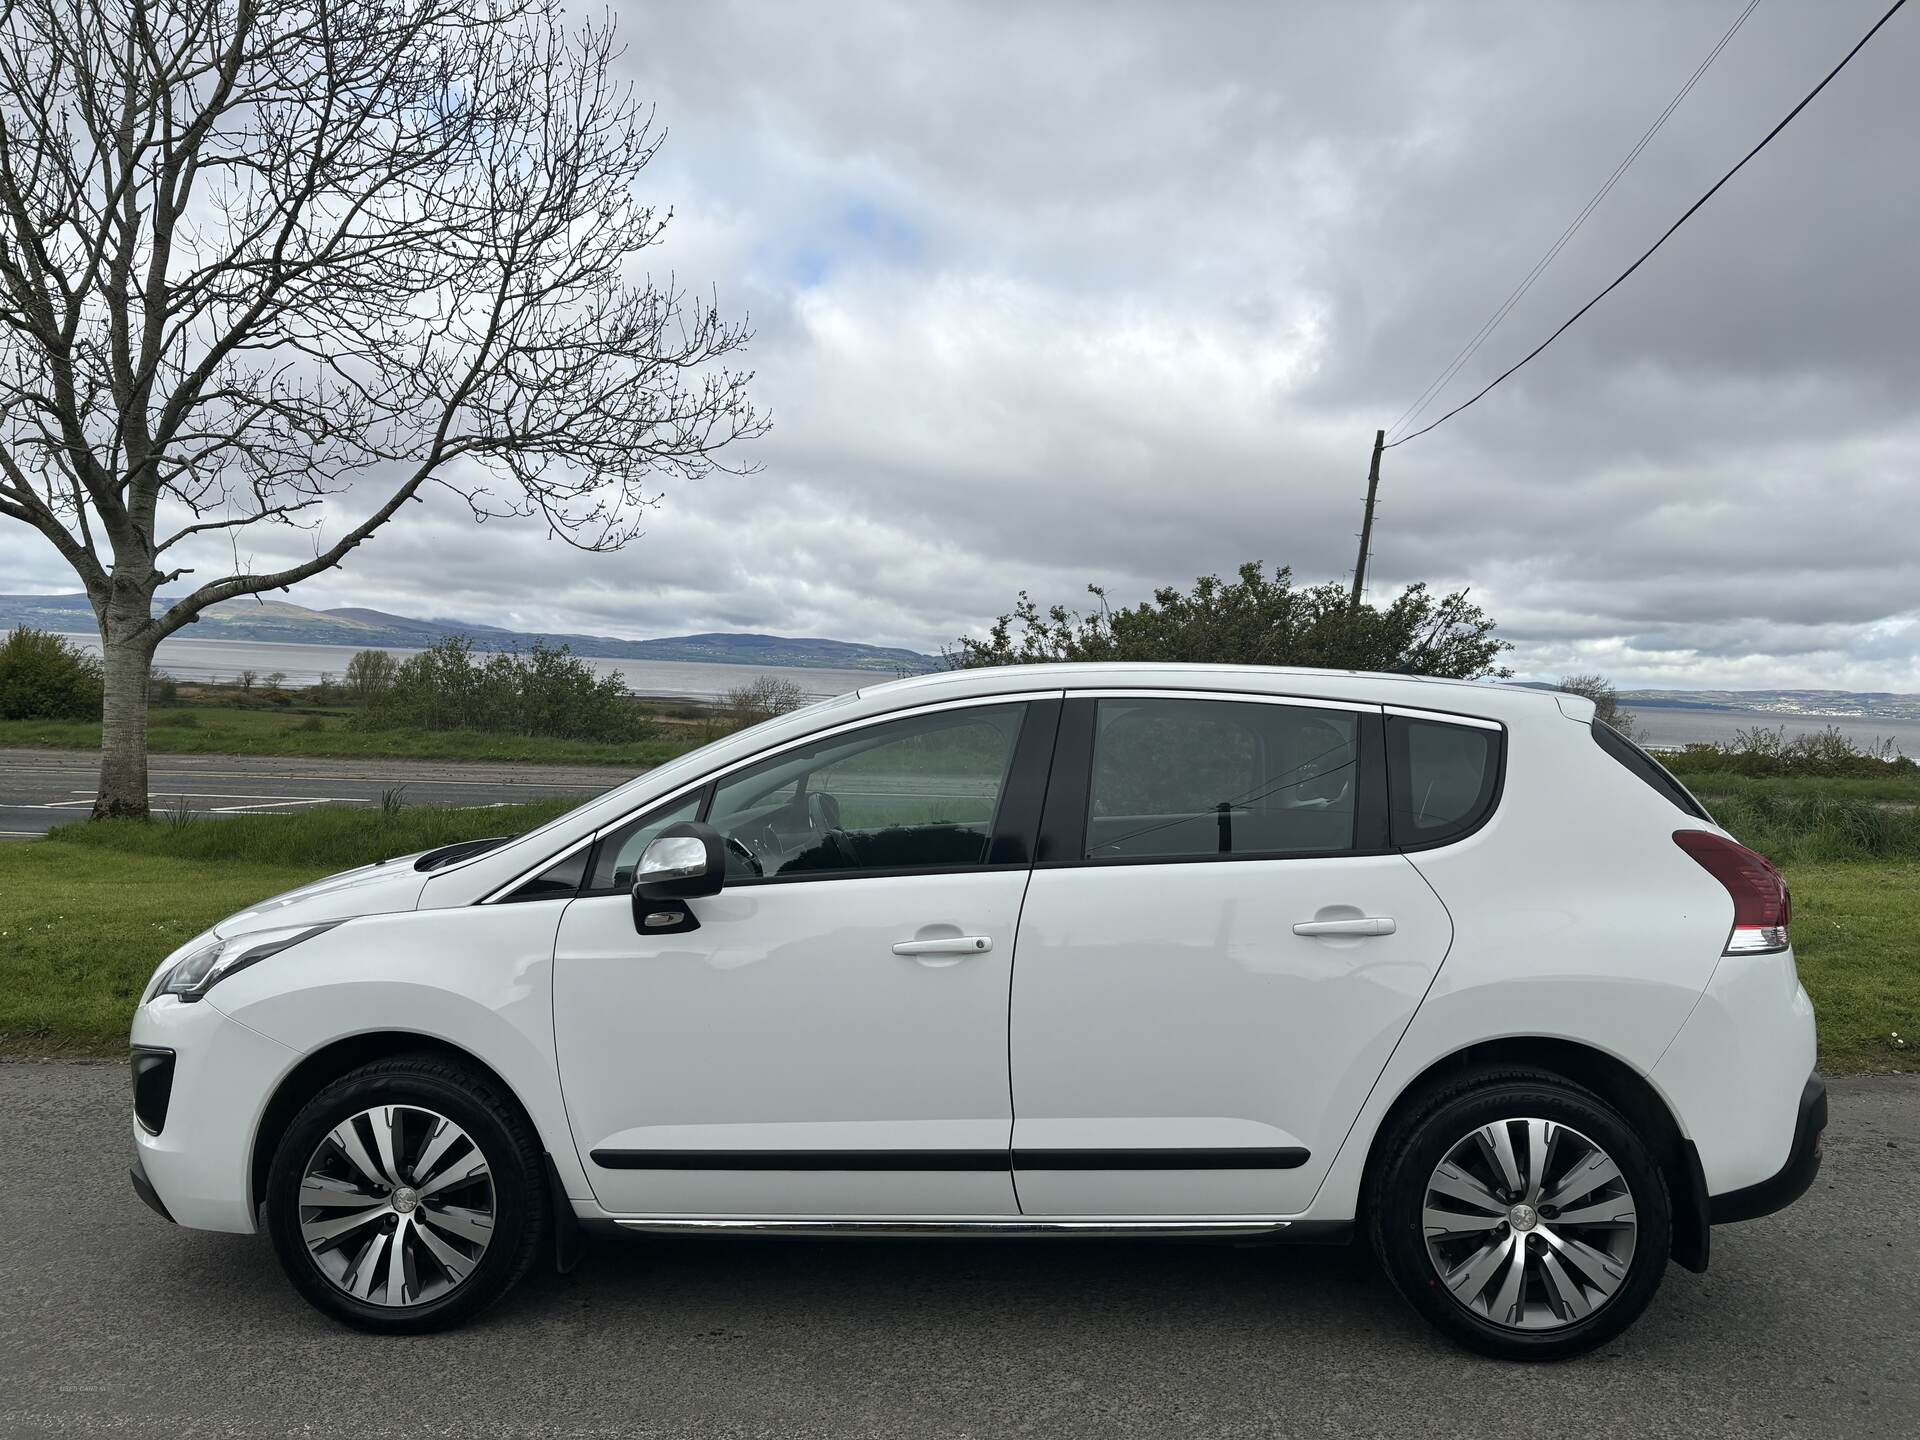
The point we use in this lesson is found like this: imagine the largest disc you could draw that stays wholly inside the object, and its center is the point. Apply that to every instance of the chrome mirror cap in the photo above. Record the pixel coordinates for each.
(671, 857)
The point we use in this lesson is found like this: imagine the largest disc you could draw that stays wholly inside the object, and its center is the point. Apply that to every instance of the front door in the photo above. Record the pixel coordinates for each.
(1217, 955)
(832, 1039)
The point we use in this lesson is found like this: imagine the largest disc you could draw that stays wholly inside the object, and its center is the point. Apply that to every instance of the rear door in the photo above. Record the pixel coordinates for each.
(1217, 953)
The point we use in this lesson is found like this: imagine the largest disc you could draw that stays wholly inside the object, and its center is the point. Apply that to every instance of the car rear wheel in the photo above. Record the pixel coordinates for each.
(407, 1195)
(1522, 1215)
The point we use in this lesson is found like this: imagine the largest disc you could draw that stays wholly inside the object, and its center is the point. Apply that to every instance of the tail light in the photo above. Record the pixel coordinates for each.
(1761, 905)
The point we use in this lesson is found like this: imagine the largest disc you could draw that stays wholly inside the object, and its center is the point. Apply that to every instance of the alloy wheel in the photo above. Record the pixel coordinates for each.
(397, 1206)
(1530, 1224)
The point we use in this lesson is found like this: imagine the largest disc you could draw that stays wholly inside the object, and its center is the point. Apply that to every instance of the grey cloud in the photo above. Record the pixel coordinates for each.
(1062, 293)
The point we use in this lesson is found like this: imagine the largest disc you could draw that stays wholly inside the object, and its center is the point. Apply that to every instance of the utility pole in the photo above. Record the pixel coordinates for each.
(1366, 521)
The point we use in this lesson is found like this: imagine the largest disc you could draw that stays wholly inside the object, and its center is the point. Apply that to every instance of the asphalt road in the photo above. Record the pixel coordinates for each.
(114, 1323)
(43, 788)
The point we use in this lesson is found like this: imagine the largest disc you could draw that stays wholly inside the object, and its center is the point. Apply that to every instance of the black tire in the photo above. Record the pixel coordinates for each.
(1428, 1132)
(495, 1126)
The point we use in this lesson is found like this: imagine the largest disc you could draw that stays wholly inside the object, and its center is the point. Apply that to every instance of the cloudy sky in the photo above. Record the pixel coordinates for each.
(1051, 293)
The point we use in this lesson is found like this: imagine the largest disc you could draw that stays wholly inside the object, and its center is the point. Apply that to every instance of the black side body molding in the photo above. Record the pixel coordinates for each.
(1284, 1158)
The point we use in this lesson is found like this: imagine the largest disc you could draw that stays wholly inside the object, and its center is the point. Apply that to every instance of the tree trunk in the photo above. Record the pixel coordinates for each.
(128, 670)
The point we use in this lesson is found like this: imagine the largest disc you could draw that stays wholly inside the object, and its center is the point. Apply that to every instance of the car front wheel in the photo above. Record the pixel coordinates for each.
(407, 1195)
(1522, 1215)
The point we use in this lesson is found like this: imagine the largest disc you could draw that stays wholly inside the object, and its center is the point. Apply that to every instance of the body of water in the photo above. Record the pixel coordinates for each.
(1675, 727)
(188, 658)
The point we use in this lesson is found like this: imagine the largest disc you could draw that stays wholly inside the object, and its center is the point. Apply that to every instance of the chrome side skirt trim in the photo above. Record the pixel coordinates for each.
(937, 1226)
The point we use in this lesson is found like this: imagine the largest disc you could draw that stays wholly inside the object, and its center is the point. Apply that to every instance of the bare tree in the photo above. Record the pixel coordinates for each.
(1606, 701)
(257, 253)
(762, 699)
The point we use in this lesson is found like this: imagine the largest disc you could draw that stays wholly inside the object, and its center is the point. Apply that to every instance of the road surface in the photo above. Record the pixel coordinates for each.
(115, 1323)
(43, 788)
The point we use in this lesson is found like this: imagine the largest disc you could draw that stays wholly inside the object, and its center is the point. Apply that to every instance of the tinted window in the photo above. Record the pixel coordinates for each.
(617, 853)
(1441, 779)
(556, 882)
(918, 793)
(1648, 770)
(1176, 779)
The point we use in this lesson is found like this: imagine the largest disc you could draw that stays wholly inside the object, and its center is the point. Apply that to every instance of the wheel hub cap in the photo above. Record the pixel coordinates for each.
(1529, 1224)
(397, 1206)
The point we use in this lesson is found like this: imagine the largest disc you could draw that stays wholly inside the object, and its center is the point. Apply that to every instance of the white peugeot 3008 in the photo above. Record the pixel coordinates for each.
(1053, 950)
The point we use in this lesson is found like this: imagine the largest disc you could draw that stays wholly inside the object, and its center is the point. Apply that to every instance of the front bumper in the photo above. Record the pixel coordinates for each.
(193, 1160)
(1794, 1178)
(143, 1187)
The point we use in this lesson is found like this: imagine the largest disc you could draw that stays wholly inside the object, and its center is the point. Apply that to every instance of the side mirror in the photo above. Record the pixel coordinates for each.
(683, 862)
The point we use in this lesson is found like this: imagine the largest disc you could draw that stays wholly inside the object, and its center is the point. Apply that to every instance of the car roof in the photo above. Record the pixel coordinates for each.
(1466, 697)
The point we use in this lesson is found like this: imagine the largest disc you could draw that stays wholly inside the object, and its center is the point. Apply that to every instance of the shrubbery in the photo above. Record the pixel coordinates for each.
(46, 677)
(764, 698)
(545, 691)
(1762, 752)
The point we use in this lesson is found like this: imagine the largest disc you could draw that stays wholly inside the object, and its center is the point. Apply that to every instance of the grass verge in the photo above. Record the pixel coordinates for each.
(333, 838)
(217, 730)
(86, 914)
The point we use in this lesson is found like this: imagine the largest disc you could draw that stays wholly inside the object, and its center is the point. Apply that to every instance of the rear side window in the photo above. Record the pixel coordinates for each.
(1648, 770)
(1442, 779)
(1185, 779)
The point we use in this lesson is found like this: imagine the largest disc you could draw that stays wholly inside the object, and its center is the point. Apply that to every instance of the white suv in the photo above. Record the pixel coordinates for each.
(1051, 950)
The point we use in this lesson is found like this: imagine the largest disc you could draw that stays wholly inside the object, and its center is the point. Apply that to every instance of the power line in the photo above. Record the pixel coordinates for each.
(1691, 209)
(1439, 383)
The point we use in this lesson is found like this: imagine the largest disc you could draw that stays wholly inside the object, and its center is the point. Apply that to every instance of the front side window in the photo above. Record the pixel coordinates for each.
(912, 794)
(1183, 779)
(1442, 779)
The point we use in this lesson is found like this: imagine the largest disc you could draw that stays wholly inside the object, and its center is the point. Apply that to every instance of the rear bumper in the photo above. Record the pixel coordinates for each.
(1794, 1178)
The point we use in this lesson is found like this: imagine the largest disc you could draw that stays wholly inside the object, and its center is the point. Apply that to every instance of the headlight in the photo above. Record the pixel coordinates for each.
(198, 971)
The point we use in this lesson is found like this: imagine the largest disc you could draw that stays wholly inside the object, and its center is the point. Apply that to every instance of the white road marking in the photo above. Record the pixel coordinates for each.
(480, 781)
(223, 795)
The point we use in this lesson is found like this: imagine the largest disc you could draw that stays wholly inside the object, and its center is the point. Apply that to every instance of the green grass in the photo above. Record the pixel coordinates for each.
(1812, 828)
(333, 838)
(223, 730)
(1892, 789)
(81, 932)
(89, 912)
(1854, 938)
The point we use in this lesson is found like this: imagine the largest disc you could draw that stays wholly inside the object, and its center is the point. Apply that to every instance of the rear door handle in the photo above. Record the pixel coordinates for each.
(945, 945)
(1363, 925)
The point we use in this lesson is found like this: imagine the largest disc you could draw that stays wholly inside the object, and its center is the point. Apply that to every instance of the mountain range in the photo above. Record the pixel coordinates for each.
(364, 629)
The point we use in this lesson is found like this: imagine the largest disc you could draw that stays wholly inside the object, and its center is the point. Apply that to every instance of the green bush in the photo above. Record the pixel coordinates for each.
(1761, 752)
(46, 677)
(546, 691)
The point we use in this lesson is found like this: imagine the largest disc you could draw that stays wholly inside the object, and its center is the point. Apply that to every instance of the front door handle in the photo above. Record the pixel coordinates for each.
(1362, 925)
(945, 945)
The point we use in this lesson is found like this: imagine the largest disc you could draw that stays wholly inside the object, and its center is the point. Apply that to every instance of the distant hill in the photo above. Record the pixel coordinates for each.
(286, 624)
(1805, 704)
